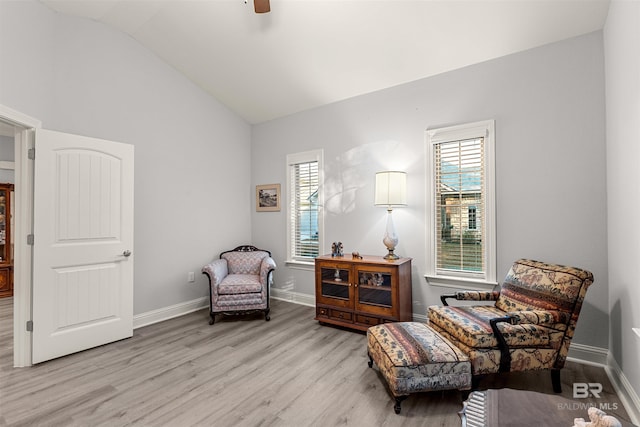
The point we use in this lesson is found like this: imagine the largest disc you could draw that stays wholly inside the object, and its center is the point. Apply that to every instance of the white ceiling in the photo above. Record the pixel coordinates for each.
(307, 53)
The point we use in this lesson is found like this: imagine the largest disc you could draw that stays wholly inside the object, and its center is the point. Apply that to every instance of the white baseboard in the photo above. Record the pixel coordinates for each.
(295, 297)
(588, 354)
(624, 389)
(420, 318)
(166, 313)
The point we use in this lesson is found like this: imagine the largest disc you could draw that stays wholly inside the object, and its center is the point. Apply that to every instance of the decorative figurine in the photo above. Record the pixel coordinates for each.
(598, 418)
(356, 255)
(337, 249)
(378, 279)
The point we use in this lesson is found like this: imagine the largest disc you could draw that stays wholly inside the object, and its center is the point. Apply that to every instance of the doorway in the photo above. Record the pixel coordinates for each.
(7, 167)
(21, 126)
(70, 172)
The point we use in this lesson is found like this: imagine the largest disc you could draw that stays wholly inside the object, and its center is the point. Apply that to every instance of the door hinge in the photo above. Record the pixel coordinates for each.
(30, 239)
(30, 325)
(31, 153)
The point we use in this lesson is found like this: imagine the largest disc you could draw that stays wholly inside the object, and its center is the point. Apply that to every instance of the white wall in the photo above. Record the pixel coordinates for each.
(548, 104)
(622, 44)
(192, 197)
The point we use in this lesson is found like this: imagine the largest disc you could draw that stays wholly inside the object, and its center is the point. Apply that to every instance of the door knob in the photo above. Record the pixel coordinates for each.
(126, 253)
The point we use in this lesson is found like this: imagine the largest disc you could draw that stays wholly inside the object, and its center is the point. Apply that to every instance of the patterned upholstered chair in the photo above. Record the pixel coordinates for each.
(529, 326)
(239, 282)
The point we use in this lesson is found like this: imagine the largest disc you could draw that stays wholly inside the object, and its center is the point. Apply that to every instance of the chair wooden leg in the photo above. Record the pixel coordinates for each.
(266, 315)
(475, 382)
(555, 380)
(212, 318)
(396, 406)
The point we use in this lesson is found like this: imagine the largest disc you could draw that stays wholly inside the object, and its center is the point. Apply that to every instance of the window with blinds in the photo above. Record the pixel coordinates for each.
(461, 209)
(304, 207)
(459, 200)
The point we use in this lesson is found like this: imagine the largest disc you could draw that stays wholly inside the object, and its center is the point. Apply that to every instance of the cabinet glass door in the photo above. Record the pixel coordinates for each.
(4, 217)
(335, 283)
(374, 290)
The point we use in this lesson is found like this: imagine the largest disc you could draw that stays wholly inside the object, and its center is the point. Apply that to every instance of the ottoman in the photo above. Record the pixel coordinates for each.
(414, 358)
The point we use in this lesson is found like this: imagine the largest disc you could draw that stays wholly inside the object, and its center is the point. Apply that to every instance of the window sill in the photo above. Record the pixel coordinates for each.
(460, 283)
(302, 265)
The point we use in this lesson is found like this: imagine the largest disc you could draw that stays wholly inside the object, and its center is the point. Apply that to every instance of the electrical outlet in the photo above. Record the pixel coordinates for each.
(191, 276)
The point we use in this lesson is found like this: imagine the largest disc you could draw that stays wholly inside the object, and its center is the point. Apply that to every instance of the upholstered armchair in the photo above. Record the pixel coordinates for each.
(239, 282)
(529, 326)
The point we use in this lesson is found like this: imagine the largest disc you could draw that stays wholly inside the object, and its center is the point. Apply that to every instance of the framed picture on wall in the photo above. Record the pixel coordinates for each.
(268, 198)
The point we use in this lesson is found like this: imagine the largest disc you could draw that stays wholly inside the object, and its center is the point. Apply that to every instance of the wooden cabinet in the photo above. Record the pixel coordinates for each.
(359, 293)
(6, 248)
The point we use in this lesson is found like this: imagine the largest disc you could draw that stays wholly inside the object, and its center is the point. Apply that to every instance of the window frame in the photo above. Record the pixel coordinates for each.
(292, 160)
(486, 280)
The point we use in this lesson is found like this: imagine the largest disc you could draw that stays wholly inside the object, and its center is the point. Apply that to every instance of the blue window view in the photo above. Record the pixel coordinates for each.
(308, 227)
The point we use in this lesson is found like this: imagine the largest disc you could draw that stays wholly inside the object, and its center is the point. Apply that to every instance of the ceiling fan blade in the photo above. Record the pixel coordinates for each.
(261, 6)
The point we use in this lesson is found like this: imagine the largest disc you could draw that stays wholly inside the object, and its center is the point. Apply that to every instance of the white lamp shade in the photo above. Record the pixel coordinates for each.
(391, 188)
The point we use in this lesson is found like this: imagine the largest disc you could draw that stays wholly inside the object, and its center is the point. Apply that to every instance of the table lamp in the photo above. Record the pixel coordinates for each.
(390, 191)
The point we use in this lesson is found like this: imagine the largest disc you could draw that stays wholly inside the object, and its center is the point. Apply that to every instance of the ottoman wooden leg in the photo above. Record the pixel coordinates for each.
(399, 400)
(370, 362)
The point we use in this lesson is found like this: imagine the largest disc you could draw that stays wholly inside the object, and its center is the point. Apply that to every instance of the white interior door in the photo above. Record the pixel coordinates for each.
(83, 244)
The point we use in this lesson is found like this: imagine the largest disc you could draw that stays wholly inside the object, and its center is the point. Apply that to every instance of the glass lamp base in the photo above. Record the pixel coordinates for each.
(391, 255)
(390, 239)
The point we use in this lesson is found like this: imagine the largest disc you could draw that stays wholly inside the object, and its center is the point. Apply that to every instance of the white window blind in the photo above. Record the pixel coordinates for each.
(305, 215)
(304, 220)
(459, 202)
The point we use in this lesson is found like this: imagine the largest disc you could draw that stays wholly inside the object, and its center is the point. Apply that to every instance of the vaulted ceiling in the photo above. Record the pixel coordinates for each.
(307, 53)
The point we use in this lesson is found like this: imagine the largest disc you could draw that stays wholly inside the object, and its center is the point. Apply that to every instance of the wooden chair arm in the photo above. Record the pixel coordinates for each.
(505, 355)
(471, 296)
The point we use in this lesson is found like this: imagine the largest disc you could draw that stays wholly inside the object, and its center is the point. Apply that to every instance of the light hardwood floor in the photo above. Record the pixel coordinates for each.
(242, 371)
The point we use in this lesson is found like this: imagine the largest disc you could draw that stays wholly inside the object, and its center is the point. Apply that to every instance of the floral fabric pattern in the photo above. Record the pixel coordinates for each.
(554, 319)
(545, 302)
(477, 295)
(412, 358)
(244, 262)
(240, 302)
(216, 270)
(240, 284)
(532, 285)
(470, 325)
(487, 360)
